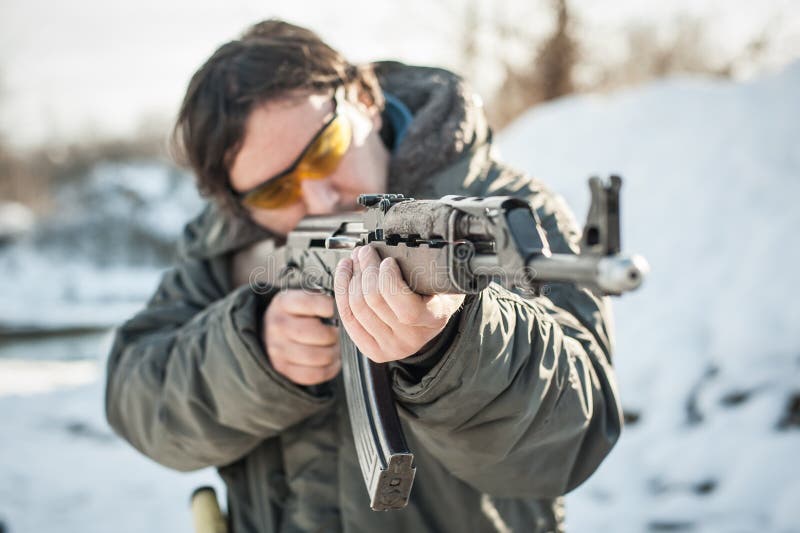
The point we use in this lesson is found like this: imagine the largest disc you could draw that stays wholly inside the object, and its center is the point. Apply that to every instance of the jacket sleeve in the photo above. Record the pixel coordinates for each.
(521, 400)
(188, 381)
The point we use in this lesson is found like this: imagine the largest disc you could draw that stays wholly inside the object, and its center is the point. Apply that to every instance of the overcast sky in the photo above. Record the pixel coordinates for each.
(105, 68)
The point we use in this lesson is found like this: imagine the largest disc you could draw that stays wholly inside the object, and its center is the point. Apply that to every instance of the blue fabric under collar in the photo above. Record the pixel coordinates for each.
(399, 117)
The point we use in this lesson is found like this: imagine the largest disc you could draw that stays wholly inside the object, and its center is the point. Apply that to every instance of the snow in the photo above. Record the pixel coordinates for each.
(26, 378)
(15, 220)
(711, 181)
(62, 469)
(708, 351)
(98, 257)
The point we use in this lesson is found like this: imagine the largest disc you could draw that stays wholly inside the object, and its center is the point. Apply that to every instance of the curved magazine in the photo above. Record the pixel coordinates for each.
(386, 463)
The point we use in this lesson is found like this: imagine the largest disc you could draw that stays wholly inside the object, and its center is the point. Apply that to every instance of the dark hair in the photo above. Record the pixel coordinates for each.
(270, 60)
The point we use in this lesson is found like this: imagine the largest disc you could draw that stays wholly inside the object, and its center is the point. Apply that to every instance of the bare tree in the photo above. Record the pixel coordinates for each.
(545, 75)
(549, 63)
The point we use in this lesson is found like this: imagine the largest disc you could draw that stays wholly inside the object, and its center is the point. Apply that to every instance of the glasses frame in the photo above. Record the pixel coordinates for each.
(241, 197)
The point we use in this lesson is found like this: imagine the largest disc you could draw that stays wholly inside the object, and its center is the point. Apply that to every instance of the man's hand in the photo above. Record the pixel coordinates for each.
(382, 315)
(299, 345)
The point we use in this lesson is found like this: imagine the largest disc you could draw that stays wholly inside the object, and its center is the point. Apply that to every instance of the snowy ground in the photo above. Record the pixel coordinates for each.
(708, 351)
(61, 467)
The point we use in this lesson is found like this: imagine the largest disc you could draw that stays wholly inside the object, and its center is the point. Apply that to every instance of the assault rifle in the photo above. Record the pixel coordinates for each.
(452, 245)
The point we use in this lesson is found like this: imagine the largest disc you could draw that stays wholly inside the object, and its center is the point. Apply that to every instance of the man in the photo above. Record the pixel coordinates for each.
(507, 402)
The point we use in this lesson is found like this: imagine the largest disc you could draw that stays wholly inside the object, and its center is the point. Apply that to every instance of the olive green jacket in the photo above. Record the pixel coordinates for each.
(513, 406)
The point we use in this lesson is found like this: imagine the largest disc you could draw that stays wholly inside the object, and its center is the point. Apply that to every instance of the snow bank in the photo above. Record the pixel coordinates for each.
(63, 470)
(708, 351)
(21, 377)
(99, 256)
(15, 221)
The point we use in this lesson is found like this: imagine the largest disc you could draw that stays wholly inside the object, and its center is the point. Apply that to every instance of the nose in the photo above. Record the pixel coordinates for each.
(320, 196)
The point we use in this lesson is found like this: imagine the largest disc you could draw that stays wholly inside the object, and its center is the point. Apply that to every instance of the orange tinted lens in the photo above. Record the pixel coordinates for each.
(275, 193)
(322, 157)
(319, 160)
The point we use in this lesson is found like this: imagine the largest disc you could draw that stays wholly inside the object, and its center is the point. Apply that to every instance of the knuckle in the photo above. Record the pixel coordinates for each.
(375, 352)
(282, 300)
(331, 370)
(317, 335)
(380, 357)
(292, 300)
(315, 356)
(277, 299)
(331, 335)
(311, 331)
(327, 305)
(335, 355)
(407, 346)
(275, 311)
(306, 356)
(325, 357)
(406, 315)
(440, 322)
(335, 365)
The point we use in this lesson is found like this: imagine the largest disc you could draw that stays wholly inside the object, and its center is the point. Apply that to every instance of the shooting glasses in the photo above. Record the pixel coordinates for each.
(318, 160)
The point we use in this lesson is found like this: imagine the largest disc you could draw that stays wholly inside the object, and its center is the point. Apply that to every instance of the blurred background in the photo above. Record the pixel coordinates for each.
(696, 104)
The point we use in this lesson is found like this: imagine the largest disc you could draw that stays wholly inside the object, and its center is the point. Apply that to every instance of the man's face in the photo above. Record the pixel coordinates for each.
(277, 132)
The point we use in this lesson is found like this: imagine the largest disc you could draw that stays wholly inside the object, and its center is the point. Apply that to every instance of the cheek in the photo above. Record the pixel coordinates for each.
(346, 179)
(358, 174)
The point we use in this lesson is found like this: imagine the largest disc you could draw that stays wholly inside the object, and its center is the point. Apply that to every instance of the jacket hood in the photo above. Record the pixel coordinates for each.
(449, 122)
